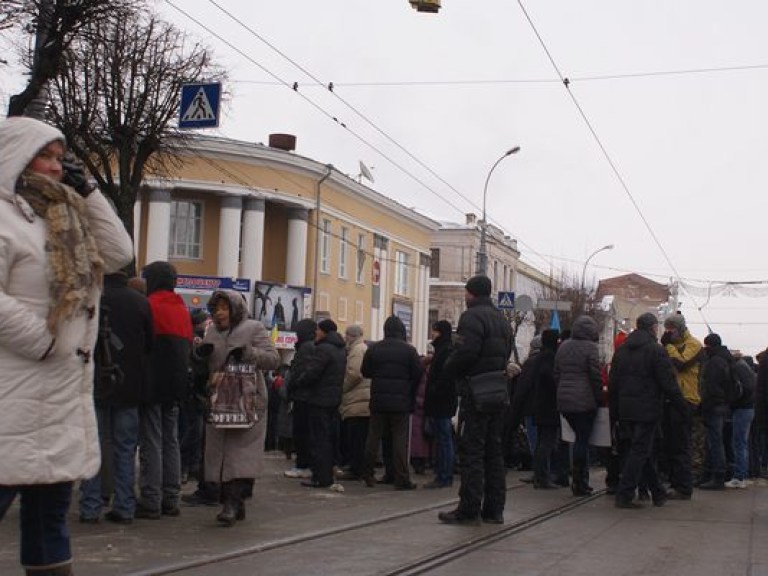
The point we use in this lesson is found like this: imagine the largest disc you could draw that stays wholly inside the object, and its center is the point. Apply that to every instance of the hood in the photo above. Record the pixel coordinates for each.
(21, 139)
(237, 308)
(394, 328)
(585, 328)
(334, 339)
(159, 276)
(305, 330)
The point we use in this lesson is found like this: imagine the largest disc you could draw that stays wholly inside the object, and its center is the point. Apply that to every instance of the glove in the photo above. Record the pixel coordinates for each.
(666, 338)
(237, 354)
(74, 176)
(205, 350)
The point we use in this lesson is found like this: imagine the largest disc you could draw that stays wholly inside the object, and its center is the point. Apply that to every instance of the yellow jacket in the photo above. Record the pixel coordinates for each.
(685, 356)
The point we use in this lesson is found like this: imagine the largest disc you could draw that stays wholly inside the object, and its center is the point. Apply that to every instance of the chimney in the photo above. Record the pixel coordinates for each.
(471, 219)
(285, 142)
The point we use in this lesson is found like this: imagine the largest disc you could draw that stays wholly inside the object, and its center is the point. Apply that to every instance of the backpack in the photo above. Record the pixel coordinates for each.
(108, 376)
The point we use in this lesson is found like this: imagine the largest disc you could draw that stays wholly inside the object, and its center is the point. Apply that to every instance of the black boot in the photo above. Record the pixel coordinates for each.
(232, 495)
(228, 515)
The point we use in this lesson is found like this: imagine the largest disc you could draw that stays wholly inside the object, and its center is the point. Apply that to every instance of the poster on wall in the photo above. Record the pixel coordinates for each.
(196, 290)
(279, 307)
(404, 311)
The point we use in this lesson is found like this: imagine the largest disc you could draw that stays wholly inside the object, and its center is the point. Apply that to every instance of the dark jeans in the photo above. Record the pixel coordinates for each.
(121, 426)
(483, 475)
(714, 420)
(354, 433)
(191, 425)
(581, 423)
(639, 465)
(321, 445)
(546, 440)
(443, 434)
(301, 433)
(742, 421)
(44, 531)
(678, 444)
(396, 426)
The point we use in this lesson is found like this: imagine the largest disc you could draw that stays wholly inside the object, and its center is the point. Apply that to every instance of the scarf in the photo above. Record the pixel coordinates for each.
(74, 263)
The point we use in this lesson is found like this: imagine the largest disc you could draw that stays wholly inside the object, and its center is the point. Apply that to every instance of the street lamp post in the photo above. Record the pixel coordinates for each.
(584, 271)
(482, 264)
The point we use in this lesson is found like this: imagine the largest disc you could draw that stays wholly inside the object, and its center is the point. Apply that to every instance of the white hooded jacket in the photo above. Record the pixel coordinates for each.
(48, 428)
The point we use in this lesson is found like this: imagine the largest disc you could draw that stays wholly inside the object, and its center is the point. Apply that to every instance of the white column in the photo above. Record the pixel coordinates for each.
(229, 236)
(421, 307)
(253, 239)
(296, 247)
(137, 226)
(158, 225)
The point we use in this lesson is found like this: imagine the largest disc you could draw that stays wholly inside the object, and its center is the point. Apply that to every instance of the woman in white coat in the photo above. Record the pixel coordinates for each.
(55, 245)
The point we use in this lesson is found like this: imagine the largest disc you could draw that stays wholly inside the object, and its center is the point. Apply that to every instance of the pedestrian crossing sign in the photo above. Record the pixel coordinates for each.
(506, 300)
(200, 105)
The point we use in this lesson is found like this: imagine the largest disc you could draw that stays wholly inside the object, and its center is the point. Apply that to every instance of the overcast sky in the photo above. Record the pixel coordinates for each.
(455, 90)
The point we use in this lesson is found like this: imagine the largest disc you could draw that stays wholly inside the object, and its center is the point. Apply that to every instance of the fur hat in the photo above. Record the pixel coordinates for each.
(675, 321)
(354, 331)
(327, 326)
(479, 285)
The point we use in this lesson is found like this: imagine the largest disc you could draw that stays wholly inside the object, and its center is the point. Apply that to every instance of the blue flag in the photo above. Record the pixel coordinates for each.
(554, 322)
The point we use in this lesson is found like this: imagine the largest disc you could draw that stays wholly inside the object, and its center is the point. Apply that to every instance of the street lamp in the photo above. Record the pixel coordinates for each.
(584, 271)
(482, 264)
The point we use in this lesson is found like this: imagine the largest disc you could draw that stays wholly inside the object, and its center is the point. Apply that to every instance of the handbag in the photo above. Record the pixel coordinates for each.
(233, 396)
(488, 391)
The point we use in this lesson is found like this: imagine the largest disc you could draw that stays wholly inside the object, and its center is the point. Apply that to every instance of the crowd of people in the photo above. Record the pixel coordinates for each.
(99, 367)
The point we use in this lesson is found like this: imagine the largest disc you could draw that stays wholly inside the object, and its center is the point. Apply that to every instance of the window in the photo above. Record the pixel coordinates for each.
(342, 311)
(360, 258)
(325, 247)
(343, 253)
(359, 312)
(186, 229)
(401, 273)
(434, 263)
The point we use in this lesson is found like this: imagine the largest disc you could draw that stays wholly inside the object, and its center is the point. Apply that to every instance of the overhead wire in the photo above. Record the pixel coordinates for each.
(566, 83)
(360, 115)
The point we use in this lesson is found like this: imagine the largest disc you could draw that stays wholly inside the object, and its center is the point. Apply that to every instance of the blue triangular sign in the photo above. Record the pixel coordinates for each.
(554, 322)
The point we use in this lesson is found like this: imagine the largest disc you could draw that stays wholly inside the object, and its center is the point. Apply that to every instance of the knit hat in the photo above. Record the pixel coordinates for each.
(713, 340)
(327, 326)
(646, 321)
(675, 321)
(354, 331)
(160, 275)
(479, 285)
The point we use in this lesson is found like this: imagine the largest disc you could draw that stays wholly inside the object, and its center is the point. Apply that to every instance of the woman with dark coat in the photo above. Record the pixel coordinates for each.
(440, 404)
(579, 393)
(545, 409)
(233, 456)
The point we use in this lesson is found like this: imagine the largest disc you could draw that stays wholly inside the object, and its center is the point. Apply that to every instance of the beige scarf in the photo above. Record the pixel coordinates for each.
(74, 263)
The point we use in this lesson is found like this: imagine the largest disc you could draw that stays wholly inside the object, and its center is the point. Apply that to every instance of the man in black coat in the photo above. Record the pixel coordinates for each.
(394, 369)
(323, 379)
(484, 346)
(545, 413)
(641, 377)
(305, 348)
(440, 403)
(717, 390)
(126, 331)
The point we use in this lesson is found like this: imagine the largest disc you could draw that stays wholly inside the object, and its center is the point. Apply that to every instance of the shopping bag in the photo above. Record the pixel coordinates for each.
(233, 396)
(601, 430)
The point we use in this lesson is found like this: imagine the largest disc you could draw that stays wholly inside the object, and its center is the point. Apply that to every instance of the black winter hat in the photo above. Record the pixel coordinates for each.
(305, 330)
(646, 321)
(327, 326)
(713, 340)
(479, 285)
(549, 339)
(160, 275)
(443, 327)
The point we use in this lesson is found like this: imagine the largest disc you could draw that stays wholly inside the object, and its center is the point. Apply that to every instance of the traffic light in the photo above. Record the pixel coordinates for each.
(426, 5)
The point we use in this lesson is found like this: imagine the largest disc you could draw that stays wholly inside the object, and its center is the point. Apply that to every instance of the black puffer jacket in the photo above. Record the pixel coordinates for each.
(577, 369)
(394, 369)
(641, 377)
(441, 400)
(484, 340)
(324, 373)
(305, 348)
(748, 380)
(715, 385)
(545, 389)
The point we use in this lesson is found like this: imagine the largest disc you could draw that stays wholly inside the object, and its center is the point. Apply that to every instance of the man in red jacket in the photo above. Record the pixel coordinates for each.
(159, 453)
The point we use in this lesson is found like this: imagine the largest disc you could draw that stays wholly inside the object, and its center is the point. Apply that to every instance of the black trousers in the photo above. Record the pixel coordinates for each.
(301, 433)
(678, 448)
(483, 475)
(354, 433)
(546, 440)
(639, 465)
(396, 426)
(321, 443)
